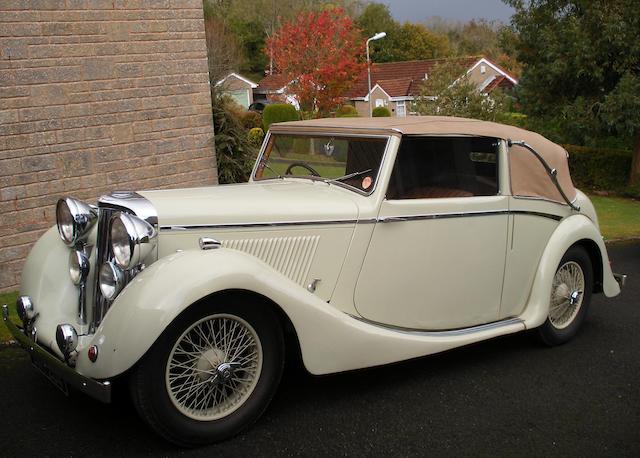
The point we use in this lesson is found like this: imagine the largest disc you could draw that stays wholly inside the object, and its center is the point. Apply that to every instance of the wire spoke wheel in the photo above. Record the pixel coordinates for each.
(214, 367)
(567, 294)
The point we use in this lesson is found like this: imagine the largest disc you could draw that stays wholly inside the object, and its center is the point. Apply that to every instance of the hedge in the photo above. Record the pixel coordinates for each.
(278, 112)
(381, 112)
(347, 111)
(599, 169)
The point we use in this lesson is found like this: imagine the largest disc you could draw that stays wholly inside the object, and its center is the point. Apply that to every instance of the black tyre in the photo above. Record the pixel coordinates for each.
(211, 374)
(570, 297)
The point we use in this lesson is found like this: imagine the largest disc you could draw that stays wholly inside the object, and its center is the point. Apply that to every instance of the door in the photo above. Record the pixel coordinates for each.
(437, 254)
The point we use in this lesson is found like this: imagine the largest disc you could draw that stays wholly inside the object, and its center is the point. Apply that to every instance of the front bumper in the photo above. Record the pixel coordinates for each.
(55, 369)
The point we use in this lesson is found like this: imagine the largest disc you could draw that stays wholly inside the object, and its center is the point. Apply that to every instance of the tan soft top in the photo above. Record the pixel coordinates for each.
(528, 176)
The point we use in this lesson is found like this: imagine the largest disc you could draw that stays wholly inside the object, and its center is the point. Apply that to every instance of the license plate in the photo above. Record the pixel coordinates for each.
(53, 378)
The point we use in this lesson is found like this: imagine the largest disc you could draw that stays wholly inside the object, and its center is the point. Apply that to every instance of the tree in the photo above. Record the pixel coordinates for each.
(223, 52)
(406, 41)
(321, 53)
(450, 92)
(581, 67)
(415, 42)
(253, 21)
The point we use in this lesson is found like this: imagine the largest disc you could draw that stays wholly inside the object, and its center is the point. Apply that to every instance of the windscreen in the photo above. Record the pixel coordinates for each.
(349, 161)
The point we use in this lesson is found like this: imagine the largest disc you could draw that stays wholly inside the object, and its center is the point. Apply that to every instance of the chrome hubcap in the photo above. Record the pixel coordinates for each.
(214, 367)
(566, 294)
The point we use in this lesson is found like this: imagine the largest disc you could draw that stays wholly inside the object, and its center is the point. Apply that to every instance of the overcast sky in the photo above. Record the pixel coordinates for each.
(459, 10)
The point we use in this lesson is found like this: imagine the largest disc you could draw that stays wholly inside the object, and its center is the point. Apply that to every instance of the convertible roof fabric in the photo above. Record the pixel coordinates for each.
(528, 176)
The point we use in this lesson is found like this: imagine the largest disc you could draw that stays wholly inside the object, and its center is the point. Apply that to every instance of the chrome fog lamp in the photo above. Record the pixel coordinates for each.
(132, 239)
(78, 267)
(24, 308)
(74, 219)
(67, 339)
(111, 280)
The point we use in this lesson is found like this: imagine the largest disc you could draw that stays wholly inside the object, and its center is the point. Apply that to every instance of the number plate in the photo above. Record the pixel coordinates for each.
(53, 378)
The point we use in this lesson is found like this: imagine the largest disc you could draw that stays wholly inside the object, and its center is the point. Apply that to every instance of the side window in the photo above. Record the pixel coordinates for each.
(437, 167)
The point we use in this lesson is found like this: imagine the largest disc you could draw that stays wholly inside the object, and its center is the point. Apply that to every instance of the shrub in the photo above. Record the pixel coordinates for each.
(251, 120)
(347, 111)
(234, 152)
(256, 135)
(278, 112)
(381, 112)
(599, 169)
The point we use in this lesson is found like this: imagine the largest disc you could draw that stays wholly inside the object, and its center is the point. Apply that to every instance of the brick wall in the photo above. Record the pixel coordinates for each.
(96, 95)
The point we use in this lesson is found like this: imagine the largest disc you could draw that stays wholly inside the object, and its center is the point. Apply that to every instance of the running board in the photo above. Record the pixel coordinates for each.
(448, 332)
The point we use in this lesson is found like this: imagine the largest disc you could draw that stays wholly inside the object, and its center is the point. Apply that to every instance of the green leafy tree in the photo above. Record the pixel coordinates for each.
(450, 92)
(581, 67)
(403, 42)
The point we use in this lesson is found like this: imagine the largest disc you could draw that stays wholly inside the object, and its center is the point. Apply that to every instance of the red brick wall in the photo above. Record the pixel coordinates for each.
(96, 95)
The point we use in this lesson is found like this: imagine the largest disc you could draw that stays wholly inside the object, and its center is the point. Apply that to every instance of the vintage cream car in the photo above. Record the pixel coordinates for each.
(357, 242)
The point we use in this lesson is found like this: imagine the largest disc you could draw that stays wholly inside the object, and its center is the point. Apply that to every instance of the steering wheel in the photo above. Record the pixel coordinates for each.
(304, 165)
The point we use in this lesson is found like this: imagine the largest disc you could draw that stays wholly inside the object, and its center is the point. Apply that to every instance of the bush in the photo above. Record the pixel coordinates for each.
(381, 112)
(256, 135)
(278, 112)
(235, 154)
(599, 169)
(347, 111)
(251, 120)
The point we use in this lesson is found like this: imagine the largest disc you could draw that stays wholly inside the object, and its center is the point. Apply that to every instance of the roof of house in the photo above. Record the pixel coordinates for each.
(395, 74)
(272, 83)
(399, 79)
(528, 177)
(237, 77)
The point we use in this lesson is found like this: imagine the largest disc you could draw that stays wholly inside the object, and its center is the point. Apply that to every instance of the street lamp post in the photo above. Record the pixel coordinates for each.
(377, 36)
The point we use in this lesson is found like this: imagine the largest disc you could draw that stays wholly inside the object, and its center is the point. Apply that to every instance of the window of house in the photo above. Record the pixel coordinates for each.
(379, 103)
(440, 167)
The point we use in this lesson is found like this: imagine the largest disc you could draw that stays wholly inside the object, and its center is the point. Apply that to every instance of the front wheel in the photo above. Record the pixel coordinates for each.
(211, 374)
(570, 297)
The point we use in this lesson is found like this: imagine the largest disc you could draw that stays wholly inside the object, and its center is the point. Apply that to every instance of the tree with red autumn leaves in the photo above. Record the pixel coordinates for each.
(321, 54)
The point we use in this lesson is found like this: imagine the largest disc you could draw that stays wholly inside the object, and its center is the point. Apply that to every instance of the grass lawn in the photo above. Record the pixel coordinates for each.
(10, 300)
(619, 218)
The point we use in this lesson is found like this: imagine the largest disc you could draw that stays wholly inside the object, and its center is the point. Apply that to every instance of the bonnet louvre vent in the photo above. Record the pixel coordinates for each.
(291, 256)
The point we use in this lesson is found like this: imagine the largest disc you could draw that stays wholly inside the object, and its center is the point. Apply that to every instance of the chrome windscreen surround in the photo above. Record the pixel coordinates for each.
(118, 201)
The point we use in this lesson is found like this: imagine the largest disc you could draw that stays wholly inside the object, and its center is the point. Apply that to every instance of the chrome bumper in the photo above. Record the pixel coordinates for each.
(55, 369)
(621, 279)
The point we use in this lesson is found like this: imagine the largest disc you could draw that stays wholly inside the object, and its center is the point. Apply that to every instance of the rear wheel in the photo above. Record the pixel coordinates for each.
(211, 374)
(570, 297)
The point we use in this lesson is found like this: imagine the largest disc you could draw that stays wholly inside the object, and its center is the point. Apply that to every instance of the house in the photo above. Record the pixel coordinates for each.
(396, 84)
(239, 88)
(273, 88)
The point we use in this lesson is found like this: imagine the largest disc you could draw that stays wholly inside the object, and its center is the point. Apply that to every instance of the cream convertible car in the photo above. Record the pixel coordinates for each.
(356, 243)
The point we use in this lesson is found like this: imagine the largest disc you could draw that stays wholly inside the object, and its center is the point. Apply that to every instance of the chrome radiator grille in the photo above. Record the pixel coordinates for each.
(108, 206)
(103, 254)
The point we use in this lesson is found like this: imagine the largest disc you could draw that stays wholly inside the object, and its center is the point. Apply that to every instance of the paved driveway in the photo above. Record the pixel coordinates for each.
(509, 396)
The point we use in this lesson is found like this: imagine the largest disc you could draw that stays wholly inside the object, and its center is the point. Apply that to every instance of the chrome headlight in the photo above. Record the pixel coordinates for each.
(74, 219)
(78, 267)
(132, 239)
(111, 280)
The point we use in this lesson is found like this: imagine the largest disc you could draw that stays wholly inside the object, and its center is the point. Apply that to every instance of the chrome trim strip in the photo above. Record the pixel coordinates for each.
(445, 332)
(393, 219)
(388, 219)
(541, 214)
(179, 227)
